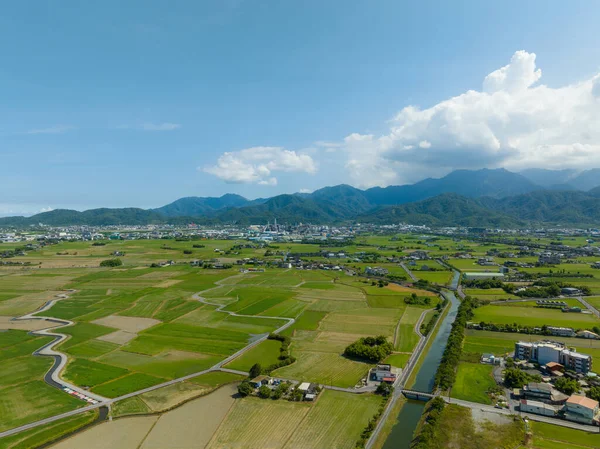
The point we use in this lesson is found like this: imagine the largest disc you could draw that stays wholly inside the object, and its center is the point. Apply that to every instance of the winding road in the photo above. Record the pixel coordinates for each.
(52, 377)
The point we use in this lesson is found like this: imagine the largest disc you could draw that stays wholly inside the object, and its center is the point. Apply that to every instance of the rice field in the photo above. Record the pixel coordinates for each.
(259, 424)
(325, 368)
(537, 317)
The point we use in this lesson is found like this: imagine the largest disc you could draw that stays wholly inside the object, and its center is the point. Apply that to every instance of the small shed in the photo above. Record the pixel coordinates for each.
(259, 381)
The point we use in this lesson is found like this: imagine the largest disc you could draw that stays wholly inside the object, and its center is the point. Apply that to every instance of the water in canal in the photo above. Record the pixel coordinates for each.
(408, 418)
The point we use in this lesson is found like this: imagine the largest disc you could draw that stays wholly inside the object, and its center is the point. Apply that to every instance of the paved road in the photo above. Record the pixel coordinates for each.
(52, 377)
(410, 273)
(420, 321)
(589, 306)
(55, 370)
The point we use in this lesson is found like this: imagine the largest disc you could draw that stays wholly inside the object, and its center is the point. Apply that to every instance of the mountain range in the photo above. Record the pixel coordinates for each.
(486, 197)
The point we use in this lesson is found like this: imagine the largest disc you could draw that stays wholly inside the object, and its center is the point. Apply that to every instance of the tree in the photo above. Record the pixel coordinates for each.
(244, 389)
(276, 394)
(384, 389)
(516, 378)
(594, 393)
(264, 392)
(567, 386)
(373, 349)
(111, 263)
(255, 371)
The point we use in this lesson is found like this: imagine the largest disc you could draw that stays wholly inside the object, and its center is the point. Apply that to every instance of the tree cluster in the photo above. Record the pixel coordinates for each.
(111, 263)
(446, 373)
(374, 349)
(427, 438)
(567, 386)
(285, 358)
(517, 378)
(413, 299)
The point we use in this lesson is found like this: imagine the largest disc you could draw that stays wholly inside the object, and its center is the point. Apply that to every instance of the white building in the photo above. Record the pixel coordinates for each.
(548, 351)
(539, 408)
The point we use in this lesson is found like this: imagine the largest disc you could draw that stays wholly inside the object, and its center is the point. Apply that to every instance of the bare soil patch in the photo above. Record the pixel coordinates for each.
(192, 424)
(400, 288)
(173, 395)
(127, 433)
(118, 337)
(168, 283)
(160, 274)
(26, 325)
(127, 323)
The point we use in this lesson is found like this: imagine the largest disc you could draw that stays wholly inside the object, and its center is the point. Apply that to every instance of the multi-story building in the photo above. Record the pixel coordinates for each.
(549, 351)
(581, 409)
(543, 393)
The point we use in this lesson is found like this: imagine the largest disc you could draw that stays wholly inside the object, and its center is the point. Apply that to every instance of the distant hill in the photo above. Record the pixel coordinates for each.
(92, 217)
(564, 179)
(549, 207)
(491, 198)
(496, 183)
(195, 206)
(448, 209)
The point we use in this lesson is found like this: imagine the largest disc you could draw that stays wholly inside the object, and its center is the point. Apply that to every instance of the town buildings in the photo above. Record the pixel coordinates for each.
(549, 351)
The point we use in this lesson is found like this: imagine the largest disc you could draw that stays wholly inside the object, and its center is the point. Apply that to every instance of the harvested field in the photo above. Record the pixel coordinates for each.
(168, 283)
(118, 337)
(258, 423)
(160, 274)
(407, 290)
(325, 368)
(126, 323)
(192, 424)
(26, 325)
(335, 421)
(172, 395)
(126, 433)
(310, 295)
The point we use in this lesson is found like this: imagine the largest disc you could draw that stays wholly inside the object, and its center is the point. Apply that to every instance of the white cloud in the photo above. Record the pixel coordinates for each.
(55, 129)
(46, 209)
(256, 165)
(305, 191)
(160, 126)
(512, 122)
(330, 147)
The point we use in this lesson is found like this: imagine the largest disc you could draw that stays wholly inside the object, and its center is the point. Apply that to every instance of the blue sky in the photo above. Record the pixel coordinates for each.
(137, 103)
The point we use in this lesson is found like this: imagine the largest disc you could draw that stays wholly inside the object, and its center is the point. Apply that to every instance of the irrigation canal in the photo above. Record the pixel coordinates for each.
(402, 433)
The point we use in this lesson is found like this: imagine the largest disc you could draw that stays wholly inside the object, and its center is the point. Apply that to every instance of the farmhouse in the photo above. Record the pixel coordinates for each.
(588, 334)
(419, 255)
(383, 373)
(561, 331)
(549, 259)
(259, 381)
(376, 271)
